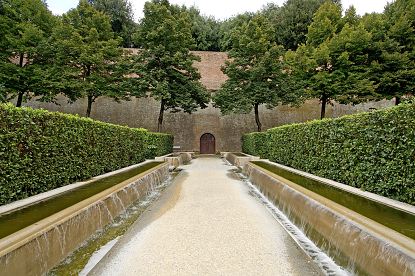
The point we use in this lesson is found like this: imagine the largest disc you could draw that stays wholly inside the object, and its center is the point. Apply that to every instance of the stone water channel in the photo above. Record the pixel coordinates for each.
(208, 222)
(208, 218)
(38, 232)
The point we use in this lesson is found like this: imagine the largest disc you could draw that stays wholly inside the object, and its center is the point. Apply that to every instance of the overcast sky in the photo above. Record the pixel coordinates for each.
(222, 9)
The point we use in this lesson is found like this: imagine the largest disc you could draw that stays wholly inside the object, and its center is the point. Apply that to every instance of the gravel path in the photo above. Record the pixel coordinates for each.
(206, 223)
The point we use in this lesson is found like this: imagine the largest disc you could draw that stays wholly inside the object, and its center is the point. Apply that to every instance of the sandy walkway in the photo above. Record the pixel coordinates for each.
(206, 224)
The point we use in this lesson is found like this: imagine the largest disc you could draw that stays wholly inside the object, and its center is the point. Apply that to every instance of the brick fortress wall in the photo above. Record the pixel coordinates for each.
(188, 128)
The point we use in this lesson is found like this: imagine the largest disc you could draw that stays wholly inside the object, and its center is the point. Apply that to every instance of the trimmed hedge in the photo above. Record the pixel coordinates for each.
(41, 150)
(373, 151)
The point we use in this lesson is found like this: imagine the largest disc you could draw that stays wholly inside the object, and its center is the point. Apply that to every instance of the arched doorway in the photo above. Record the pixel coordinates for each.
(207, 144)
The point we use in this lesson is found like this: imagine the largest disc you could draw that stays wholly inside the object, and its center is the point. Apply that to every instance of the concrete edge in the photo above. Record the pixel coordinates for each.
(163, 204)
(398, 240)
(238, 161)
(23, 236)
(13, 206)
(176, 159)
(161, 158)
(371, 196)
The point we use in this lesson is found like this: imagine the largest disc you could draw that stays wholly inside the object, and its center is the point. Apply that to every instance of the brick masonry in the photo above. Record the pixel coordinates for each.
(188, 128)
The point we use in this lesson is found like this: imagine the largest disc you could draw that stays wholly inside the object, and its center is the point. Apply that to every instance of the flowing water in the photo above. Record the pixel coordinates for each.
(207, 224)
(355, 249)
(84, 259)
(19, 219)
(313, 244)
(398, 220)
(321, 250)
(326, 264)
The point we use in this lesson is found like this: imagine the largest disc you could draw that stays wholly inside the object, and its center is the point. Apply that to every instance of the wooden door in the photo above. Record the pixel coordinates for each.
(207, 144)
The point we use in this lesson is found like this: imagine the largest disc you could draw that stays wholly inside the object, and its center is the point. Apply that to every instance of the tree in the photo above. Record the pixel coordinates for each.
(165, 63)
(227, 26)
(24, 25)
(122, 18)
(256, 72)
(84, 49)
(205, 31)
(394, 60)
(3, 95)
(291, 20)
(334, 63)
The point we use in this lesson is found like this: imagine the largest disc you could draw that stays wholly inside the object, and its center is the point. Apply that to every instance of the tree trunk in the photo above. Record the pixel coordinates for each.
(21, 94)
(258, 122)
(19, 99)
(397, 100)
(89, 108)
(323, 107)
(90, 97)
(160, 120)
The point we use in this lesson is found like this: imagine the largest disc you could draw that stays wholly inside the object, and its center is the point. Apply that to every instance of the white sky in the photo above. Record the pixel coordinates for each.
(222, 9)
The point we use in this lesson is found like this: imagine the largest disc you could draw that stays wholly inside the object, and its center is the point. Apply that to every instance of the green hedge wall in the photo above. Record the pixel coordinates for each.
(373, 151)
(41, 150)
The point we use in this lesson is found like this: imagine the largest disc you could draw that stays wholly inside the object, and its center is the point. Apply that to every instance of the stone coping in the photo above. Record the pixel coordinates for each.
(224, 153)
(407, 244)
(19, 204)
(174, 154)
(239, 159)
(371, 196)
(23, 236)
(386, 238)
(176, 159)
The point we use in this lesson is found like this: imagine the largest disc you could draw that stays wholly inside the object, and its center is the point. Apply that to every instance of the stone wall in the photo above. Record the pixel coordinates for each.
(188, 128)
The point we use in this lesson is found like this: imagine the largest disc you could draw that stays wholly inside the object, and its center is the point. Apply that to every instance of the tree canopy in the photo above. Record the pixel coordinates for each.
(165, 63)
(256, 72)
(121, 16)
(309, 45)
(334, 63)
(291, 20)
(24, 25)
(394, 54)
(85, 50)
(205, 31)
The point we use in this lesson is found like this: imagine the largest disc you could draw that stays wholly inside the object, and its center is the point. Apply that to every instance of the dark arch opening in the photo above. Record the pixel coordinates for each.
(207, 144)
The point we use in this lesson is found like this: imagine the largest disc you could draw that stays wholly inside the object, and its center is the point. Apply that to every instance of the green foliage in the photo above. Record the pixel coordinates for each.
(227, 27)
(291, 21)
(83, 48)
(325, 24)
(205, 30)
(24, 26)
(41, 150)
(335, 62)
(253, 143)
(373, 151)
(393, 68)
(122, 18)
(165, 63)
(158, 144)
(256, 72)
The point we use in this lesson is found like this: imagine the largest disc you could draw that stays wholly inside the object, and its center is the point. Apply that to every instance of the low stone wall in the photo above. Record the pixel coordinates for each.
(176, 159)
(239, 159)
(36, 249)
(372, 247)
